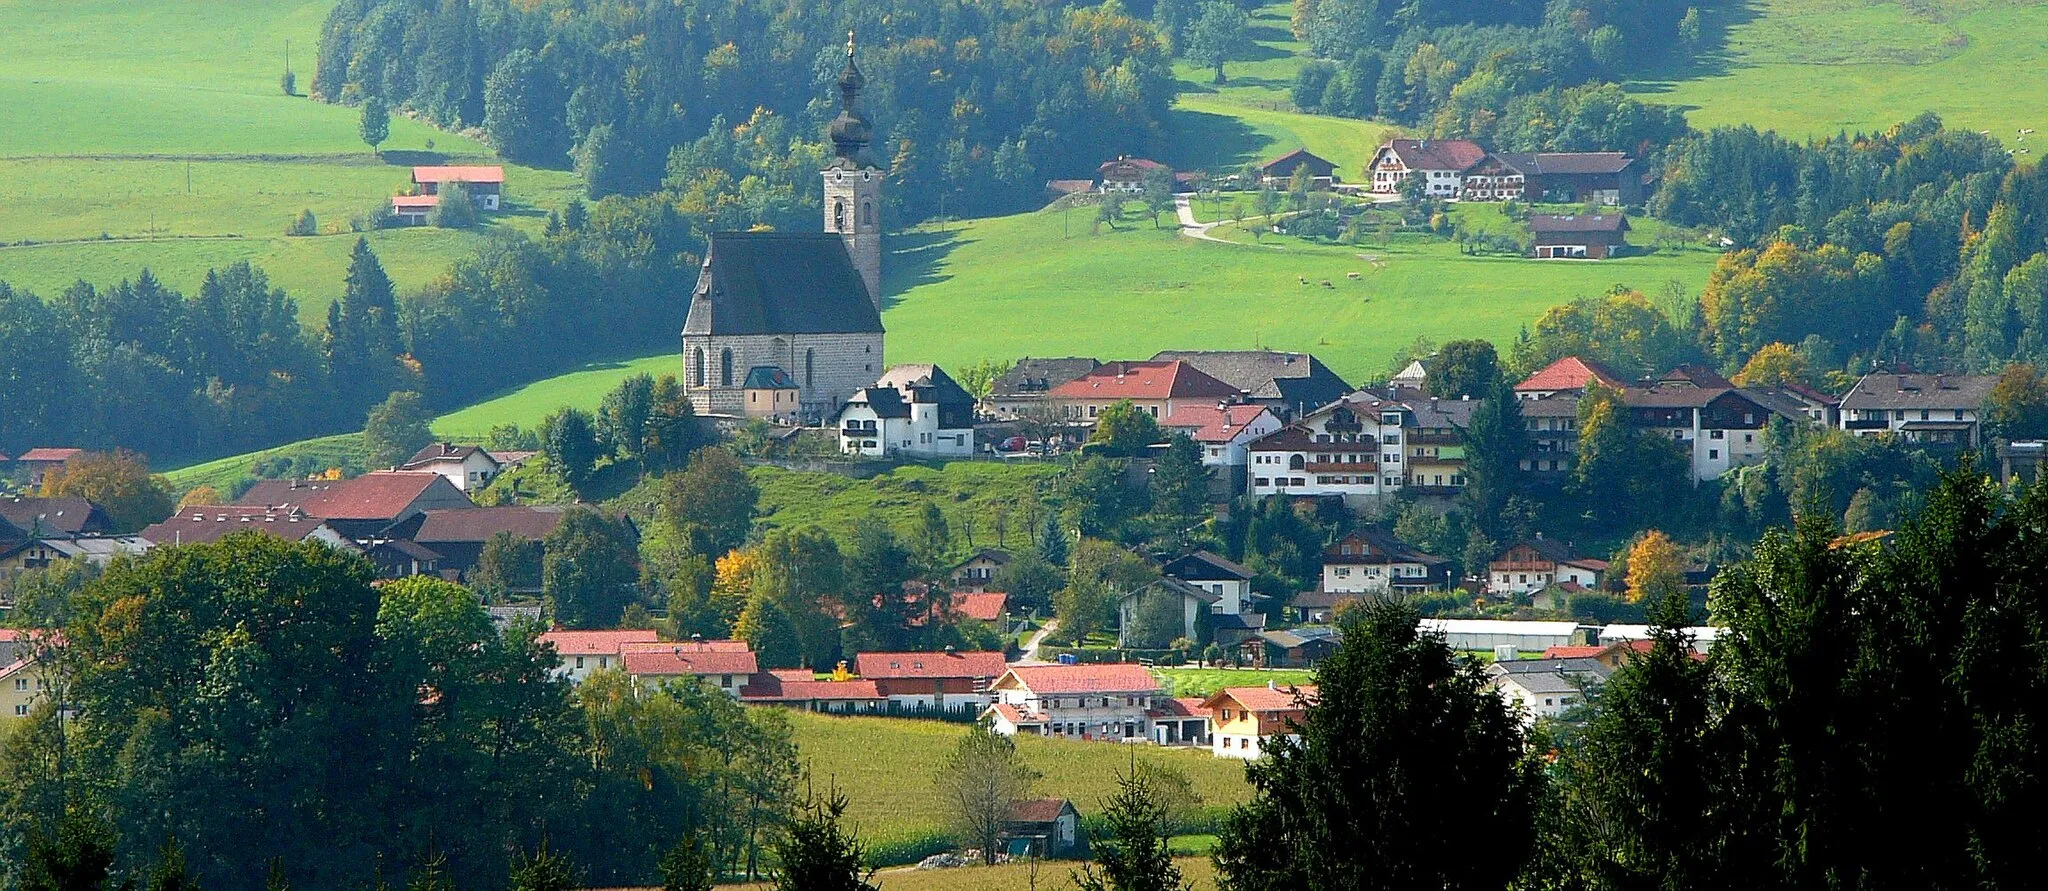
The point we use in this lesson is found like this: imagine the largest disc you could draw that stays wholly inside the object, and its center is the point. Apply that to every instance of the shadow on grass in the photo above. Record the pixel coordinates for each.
(1713, 58)
(914, 259)
(1208, 141)
(412, 158)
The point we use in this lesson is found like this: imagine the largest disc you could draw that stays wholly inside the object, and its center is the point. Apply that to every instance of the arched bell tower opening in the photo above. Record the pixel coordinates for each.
(853, 184)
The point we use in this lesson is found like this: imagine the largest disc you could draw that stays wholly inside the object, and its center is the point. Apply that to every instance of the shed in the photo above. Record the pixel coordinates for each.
(1042, 827)
(1594, 236)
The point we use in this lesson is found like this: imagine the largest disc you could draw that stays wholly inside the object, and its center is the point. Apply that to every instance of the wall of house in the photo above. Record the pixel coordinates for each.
(1103, 715)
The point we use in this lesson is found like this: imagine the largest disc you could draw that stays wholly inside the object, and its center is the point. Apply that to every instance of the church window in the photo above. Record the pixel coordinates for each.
(810, 368)
(838, 214)
(697, 368)
(867, 213)
(725, 368)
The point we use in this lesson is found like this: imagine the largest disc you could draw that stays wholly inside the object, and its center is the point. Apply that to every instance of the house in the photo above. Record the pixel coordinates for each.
(1942, 409)
(985, 606)
(466, 467)
(1181, 721)
(1319, 607)
(911, 410)
(798, 688)
(1434, 432)
(40, 461)
(1571, 375)
(1195, 605)
(1157, 388)
(927, 682)
(1279, 172)
(1103, 702)
(1042, 827)
(399, 558)
(1498, 635)
(1546, 688)
(1299, 647)
(36, 553)
(413, 210)
(1291, 384)
(1552, 424)
(976, 573)
(365, 507)
(55, 517)
(770, 393)
(1213, 573)
(1440, 162)
(458, 536)
(1369, 561)
(24, 675)
(1125, 174)
(1529, 566)
(1021, 391)
(1577, 236)
(486, 185)
(1718, 427)
(582, 652)
(724, 664)
(1350, 449)
(202, 524)
(1609, 178)
(1244, 720)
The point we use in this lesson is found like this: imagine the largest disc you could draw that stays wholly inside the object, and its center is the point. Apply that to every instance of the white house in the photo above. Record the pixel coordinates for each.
(1102, 702)
(1546, 688)
(1223, 432)
(1931, 408)
(1229, 581)
(1440, 162)
(1350, 448)
(583, 652)
(911, 410)
(1371, 562)
(1190, 601)
(724, 664)
(469, 468)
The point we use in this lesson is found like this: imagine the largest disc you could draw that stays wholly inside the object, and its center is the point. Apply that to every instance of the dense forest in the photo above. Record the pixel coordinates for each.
(977, 101)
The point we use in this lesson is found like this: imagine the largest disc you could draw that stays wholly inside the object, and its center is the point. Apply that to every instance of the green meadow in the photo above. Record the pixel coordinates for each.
(1818, 67)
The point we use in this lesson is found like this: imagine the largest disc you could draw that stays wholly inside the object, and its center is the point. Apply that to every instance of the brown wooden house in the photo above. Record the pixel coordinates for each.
(1578, 236)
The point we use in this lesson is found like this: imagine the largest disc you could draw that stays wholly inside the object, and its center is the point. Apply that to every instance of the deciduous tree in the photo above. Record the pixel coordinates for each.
(981, 780)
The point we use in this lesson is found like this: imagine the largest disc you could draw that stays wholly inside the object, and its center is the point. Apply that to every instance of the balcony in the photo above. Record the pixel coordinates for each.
(1341, 467)
(1435, 439)
(1866, 424)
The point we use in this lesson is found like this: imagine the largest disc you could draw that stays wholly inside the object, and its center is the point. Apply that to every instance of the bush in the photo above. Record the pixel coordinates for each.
(454, 210)
(303, 225)
(373, 218)
(1606, 609)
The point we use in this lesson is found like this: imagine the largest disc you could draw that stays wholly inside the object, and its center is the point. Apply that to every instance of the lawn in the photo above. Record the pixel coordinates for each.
(974, 495)
(526, 405)
(1200, 872)
(1204, 681)
(221, 474)
(172, 147)
(885, 766)
(1818, 67)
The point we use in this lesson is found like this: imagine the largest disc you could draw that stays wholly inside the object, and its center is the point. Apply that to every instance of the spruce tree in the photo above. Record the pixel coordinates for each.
(819, 853)
(1135, 855)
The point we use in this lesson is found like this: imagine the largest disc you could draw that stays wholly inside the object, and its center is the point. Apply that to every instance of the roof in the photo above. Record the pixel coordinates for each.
(1287, 162)
(925, 383)
(1030, 377)
(199, 524)
(1436, 154)
(1238, 621)
(1435, 413)
(1567, 163)
(1269, 698)
(272, 493)
(780, 283)
(1221, 423)
(596, 643)
(1140, 163)
(1506, 627)
(1114, 677)
(410, 549)
(1289, 638)
(780, 688)
(1571, 373)
(1696, 375)
(1548, 548)
(444, 451)
(479, 524)
(1322, 599)
(985, 607)
(1551, 679)
(928, 665)
(1563, 404)
(885, 401)
(1181, 707)
(1543, 223)
(769, 377)
(681, 659)
(1370, 546)
(103, 548)
(458, 174)
(380, 495)
(1572, 652)
(1038, 810)
(1015, 716)
(993, 555)
(1206, 566)
(67, 515)
(410, 201)
(1905, 391)
(49, 454)
(1295, 378)
(1177, 587)
(1146, 381)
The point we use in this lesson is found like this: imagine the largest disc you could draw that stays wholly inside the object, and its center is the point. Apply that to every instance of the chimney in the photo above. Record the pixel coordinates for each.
(1273, 685)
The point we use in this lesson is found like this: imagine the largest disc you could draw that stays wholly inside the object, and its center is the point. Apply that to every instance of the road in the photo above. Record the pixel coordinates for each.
(1031, 644)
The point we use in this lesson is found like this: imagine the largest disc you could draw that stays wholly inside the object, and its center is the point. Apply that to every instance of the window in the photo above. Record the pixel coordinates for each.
(810, 368)
(1717, 434)
(697, 367)
(21, 711)
(867, 213)
(838, 216)
(1713, 454)
(21, 683)
(579, 662)
(1923, 414)
(1959, 414)
(725, 368)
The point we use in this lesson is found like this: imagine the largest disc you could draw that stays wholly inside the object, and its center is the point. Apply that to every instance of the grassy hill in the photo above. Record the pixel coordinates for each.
(173, 147)
(1816, 67)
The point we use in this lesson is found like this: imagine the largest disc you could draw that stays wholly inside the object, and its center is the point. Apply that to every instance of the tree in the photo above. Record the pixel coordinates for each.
(1156, 622)
(1343, 807)
(375, 125)
(624, 415)
(289, 83)
(589, 569)
(1135, 856)
(1495, 443)
(304, 224)
(1180, 487)
(397, 429)
(1052, 542)
(1158, 192)
(76, 856)
(1109, 210)
(1656, 568)
(1465, 369)
(1029, 579)
(454, 210)
(543, 870)
(671, 433)
(1689, 30)
(2017, 406)
(119, 481)
(819, 853)
(1123, 430)
(980, 781)
(1217, 34)
(979, 379)
(1102, 573)
(568, 438)
(800, 571)
(1772, 365)
(507, 564)
(714, 499)
(688, 867)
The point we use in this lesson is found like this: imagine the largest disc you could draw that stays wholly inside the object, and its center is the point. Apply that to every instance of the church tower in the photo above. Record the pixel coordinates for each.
(853, 185)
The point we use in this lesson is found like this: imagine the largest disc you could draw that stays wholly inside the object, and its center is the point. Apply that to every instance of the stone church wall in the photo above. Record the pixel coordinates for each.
(838, 365)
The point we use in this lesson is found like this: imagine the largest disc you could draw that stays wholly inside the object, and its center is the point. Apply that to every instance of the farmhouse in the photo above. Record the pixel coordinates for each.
(1925, 408)
(1157, 388)
(365, 507)
(1104, 702)
(724, 664)
(1570, 374)
(40, 461)
(1609, 178)
(1279, 172)
(1440, 162)
(459, 535)
(1291, 384)
(486, 185)
(1577, 236)
(1021, 391)
(582, 652)
(976, 573)
(413, 210)
(469, 468)
(797, 688)
(921, 682)
(1530, 566)
(1125, 174)
(1245, 719)
(911, 410)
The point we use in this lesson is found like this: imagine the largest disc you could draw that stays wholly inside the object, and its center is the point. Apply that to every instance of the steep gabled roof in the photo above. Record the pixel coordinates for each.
(1262, 699)
(1285, 164)
(380, 495)
(1038, 810)
(1570, 373)
(1294, 378)
(780, 283)
(1144, 381)
(1206, 566)
(885, 401)
(443, 451)
(925, 383)
(768, 377)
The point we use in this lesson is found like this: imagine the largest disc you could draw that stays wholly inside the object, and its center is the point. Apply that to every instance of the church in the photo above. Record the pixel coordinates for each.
(808, 305)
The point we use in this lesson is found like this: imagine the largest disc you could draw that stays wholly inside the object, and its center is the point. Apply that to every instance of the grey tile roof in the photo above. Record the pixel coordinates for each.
(780, 283)
(1896, 391)
(886, 402)
(1032, 377)
(1294, 378)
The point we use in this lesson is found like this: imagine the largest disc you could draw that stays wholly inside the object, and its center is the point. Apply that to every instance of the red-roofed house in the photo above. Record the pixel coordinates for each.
(1440, 162)
(918, 682)
(1109, 701)
(412, 210)
(1125, 174)
(39, 462)
(714, 662)
(1223, 430)
(201, 524)
(1041, 827)
(485, 184)
(583, 652)
(981, 606)
(799, 690)
(1570, 374)
(1158, 388)
(24, 678)
(1181, 721)
(1244, 719)
(365, 506)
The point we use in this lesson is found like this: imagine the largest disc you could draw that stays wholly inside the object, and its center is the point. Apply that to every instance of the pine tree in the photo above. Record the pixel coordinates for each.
(1135, 855)
(818, 853)
(1052, 542)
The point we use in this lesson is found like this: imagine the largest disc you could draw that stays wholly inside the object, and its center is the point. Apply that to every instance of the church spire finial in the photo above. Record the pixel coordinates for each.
(850, 131)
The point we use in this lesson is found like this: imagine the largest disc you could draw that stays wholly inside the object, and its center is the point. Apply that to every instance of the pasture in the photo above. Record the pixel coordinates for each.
(1200, 873)
(973, 495)
(1819, 67)
(1184, 682)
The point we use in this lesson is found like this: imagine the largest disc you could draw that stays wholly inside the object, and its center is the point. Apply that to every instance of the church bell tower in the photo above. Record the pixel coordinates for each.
(853, 185)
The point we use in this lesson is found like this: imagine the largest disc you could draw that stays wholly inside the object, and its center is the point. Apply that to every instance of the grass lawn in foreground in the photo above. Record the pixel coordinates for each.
(1204, 681)
(885, 766)
(1818, 67)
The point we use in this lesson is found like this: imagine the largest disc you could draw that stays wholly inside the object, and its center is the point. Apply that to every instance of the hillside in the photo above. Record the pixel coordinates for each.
(173, 147)
(1818, 67)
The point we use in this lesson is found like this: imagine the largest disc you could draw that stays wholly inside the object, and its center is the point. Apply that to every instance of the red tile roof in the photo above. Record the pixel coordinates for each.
(769, 688)
(382, 495)
(1037, 810)
(405, 201)
(1183, 707)
(1570, 373)
(986, 607)
(531, 522)
(928, 665)
(597, 643)
(1146, 381)
(1262, 699)
(1437, 154)
(715, 645)
(458, 174)
(1011, 714)
(1572, 652)
(1115, 677)
(50, 454)
(1210, 423)
(679, 661)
